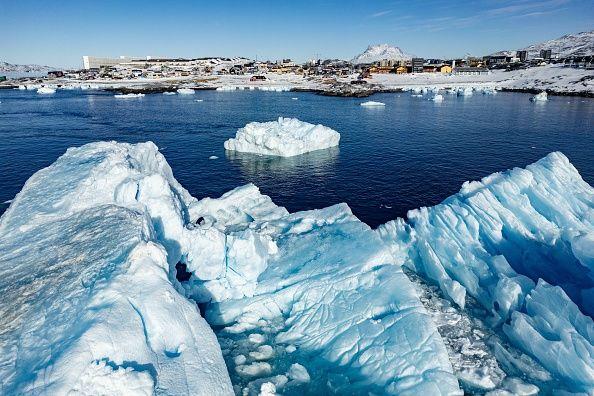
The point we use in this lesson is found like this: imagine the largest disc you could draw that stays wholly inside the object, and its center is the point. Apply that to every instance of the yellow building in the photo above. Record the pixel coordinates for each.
(445, 69)
(401, 70)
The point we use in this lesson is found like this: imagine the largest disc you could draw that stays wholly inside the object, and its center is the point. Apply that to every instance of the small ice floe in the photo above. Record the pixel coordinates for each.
(226, 88)
(129, 96)
(416, 96)
(437, 98)
(169, 93)
(371, 103)
(22, 87)
(256, 369)
(465, 92)
(7, 202)
(199, 100)
(46, 90)
(541, 97)
(213, 157)
(298, 373)
(294, 98)
(186, 91)
(285, 137)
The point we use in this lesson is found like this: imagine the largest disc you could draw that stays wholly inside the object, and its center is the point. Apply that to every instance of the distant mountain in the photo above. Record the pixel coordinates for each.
(376, 53)
(12, 68)
(579, 44)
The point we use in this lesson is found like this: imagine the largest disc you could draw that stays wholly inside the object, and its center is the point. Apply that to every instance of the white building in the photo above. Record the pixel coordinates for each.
(92, 62)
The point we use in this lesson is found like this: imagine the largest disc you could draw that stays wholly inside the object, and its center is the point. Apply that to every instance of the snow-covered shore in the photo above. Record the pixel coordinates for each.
(554, 79)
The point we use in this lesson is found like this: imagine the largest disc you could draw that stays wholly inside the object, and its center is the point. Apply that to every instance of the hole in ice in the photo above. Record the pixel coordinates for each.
(496, 305)
(200, 221)
(182, 274)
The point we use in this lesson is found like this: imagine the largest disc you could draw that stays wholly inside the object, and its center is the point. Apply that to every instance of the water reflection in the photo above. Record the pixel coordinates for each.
(315, 164)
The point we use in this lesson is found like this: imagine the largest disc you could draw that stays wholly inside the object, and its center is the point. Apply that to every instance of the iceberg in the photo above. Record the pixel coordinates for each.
(437, 98)
(285, 137)
(371, 103)
(186, 91)
(519, 242)
(129, 96)
(90, 301)
(541, 97)
(46, 91)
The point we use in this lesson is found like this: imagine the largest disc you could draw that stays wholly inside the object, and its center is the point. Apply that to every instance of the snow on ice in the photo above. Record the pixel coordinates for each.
(86, 250)
(285, 137)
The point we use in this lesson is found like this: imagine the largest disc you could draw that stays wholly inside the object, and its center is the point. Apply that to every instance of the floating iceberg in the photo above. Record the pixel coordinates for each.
(541, 97)
(500, 241)
(46, 90)
(372, 104)
(437, 98)
(186, 91)
(129, 96)
(169, 93)
(285, 138)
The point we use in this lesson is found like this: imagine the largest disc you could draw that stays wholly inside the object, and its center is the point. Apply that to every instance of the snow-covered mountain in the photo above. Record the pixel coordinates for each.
(376, 53)
(579, 44)
(13, 68)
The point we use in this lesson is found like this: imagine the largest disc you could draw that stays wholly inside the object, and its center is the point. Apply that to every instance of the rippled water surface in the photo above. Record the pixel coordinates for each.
(411, 153)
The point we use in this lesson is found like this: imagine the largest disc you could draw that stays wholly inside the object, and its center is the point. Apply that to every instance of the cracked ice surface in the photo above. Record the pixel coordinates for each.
(328, 311)
(500, 241)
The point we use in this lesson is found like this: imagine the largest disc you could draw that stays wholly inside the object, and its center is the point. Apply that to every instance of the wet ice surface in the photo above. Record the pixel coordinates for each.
(477, 352)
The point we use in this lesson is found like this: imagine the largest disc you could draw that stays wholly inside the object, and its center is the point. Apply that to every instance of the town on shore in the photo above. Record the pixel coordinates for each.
(381, 68)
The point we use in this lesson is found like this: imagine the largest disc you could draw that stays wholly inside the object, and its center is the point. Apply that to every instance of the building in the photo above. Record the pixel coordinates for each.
(417, 65)
(92, 62)
(401, 70)
(445, 69)
(55, 73)
(522, 55)
(546, 54)
(470, 71)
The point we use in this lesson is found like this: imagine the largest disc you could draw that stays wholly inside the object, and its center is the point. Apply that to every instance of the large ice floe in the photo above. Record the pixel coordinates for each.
(88, 303)
(285, 137)
(108, 266)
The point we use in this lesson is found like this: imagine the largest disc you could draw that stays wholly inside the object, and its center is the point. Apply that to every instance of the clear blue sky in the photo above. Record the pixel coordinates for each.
(58, 33)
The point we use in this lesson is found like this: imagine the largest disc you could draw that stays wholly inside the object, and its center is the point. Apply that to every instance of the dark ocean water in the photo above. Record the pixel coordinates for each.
(409, 154)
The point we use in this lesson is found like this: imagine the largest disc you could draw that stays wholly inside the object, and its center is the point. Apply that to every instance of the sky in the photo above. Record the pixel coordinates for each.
(59, 33)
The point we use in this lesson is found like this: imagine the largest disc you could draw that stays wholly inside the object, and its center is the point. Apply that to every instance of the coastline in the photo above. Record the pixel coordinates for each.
(553, 79)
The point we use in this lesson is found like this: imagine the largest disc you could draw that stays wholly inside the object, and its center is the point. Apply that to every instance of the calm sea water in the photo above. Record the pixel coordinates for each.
(409, 154)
